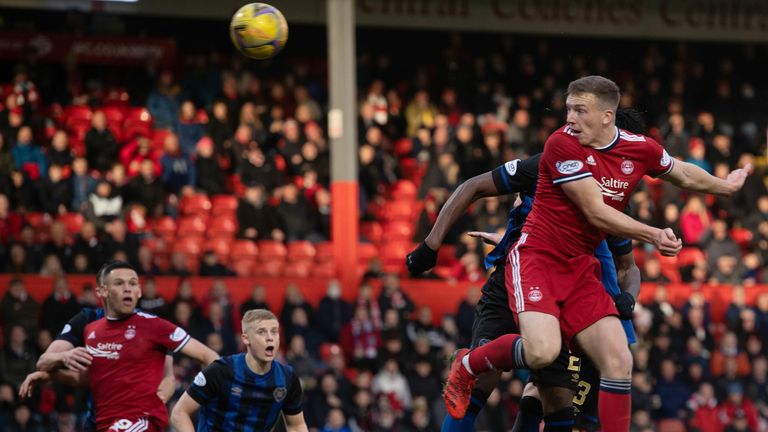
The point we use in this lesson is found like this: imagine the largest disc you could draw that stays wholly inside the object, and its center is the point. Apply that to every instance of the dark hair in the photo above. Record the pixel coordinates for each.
(631, 120)
(604, 89)
(108, 267)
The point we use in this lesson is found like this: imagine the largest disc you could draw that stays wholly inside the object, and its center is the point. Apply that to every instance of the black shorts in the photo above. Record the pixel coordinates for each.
(493, 318)
(563, 372)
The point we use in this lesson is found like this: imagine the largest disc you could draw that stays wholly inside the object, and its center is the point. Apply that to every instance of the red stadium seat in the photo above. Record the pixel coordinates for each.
(77, 112)
(690, 256)
(669, 267)
(197, 204)
(399, 210)
(189, 246)
(222, 226)
(742, 237)
(158, 137)
(220, 246)
(73, 222)
(301, 251)
(138, 114)
(223, 204)
(271, 250)
(133, 129)
(366, 252)
(115, 115)
(300, 269)
(446, 255)
(268, 268)
(371, 231)
(393, 256)
(324, 270)
(404, 190)
(399, 231)
(324, 252)
(243, 266)
(244, 249)
(164, 227)
(403, 147)
(194, 226)
(38, 221)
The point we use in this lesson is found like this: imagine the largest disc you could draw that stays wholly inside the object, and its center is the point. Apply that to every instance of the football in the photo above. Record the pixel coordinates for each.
(258, 30)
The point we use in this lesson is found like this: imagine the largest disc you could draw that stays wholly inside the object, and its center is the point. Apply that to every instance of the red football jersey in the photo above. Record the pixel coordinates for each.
(128, 359)
(555, 223)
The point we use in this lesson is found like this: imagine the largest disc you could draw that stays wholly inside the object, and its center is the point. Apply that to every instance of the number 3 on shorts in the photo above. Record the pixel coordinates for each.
(581, 395)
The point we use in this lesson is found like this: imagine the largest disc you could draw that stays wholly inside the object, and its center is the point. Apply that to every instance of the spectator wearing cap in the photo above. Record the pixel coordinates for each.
(737, 408)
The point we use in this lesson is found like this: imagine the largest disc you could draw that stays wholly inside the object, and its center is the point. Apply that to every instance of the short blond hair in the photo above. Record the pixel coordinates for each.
(255, 315)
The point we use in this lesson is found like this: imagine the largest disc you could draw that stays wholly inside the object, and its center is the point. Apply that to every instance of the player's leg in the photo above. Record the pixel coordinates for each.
(586, 400)
(557, 384)
(531, 412)
(606, 344)
(492, 319)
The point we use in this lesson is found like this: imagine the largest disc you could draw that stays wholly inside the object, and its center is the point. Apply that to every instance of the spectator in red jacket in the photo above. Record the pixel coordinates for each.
(737, 408)
(10, 221)
(361, 339)
(705, 415)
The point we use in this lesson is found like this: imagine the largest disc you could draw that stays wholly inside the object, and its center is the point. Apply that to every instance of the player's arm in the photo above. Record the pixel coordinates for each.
(67, 350)
(168, 383)
(199, 352)
(690, 177)
(296, 423)
(181, 416)
(61, 376)
(585, 194)
(509, 178)
(628, 275)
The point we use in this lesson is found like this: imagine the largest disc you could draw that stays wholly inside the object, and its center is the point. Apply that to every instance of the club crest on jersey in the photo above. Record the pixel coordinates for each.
(665, 159)
(511, 167)
(130, 332)
(568, 167)
(627, 167)
(280, 393)
(200, 380)
(591, 160)
(535, 295)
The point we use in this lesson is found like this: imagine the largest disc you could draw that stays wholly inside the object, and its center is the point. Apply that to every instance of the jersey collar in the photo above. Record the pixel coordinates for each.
(613, 142)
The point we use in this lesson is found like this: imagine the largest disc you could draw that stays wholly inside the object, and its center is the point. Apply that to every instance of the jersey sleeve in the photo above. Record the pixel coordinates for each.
(659, 162)
(619, 246)
(74, 329)
(294, 399)
(208, 383)
(516, 175)
(169, 335)
(564, 159)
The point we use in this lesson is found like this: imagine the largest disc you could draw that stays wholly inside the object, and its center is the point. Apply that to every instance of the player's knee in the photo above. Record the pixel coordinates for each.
(617, 364)
(540, 355)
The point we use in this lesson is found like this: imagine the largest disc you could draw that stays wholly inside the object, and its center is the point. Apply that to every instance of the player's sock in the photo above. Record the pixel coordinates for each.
(466, 424)
(615, 404)
(529, 416)
(504, 353)
(560, 421)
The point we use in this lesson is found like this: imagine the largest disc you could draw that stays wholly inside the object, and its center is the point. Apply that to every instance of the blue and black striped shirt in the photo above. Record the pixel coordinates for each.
(234, 398)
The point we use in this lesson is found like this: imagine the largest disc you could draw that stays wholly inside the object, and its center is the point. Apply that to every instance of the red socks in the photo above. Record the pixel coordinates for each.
(615, 404)
(504, 353)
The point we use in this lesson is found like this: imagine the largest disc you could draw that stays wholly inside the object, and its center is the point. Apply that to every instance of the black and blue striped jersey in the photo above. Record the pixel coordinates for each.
(234, 398)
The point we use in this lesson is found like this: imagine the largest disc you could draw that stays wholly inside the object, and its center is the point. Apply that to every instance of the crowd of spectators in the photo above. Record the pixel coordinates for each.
(376, 364)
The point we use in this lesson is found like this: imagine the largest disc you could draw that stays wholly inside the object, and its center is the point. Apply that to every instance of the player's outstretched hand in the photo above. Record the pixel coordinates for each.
(77, 359)
(667, 243)
(421, 259)
(28, 385)
(625, 304)
(487, 237)
(737, 177)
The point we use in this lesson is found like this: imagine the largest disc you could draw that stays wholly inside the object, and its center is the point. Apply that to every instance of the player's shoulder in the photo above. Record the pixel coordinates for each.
(141, 315)
(285, 368)
(89, 314)
(628, 136)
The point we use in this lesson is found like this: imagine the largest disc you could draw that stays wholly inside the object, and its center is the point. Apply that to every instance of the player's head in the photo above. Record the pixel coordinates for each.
(591, 105)
(261, 334)
(117, 284)
(631, 120)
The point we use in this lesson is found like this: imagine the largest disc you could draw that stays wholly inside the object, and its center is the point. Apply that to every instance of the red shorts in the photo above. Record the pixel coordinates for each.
(134, 424)
(567, 288)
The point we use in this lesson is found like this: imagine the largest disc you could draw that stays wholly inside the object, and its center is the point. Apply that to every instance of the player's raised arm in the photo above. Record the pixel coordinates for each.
(181, 416)
(199, 352)
(509, 178)
(690, 177)
(296, 423)
(586, 194)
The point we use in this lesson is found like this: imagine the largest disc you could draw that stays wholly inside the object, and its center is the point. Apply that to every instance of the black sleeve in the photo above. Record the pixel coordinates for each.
(517, 175)
(619, 246)
(208, 382)
(74, 329)
(294, 398)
